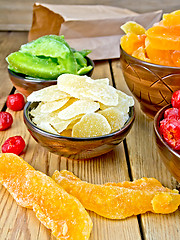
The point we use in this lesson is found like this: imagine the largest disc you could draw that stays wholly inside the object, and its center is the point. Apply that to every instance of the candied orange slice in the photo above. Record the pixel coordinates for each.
(132, 42)
(175, 56)
(54, 207)
(162, 57)
(140, 53)
(133, 27)
(171, 18)
(164, 38)
(121, 200)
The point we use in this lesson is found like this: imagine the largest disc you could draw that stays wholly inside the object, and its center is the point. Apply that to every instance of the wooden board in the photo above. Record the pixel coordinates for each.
(17, 15)
(18, 223)
(9, 42)
(129, 161)
(145, 162)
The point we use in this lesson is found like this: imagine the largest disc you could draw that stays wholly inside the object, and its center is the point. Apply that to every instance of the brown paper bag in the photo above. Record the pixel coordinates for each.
(94, 27)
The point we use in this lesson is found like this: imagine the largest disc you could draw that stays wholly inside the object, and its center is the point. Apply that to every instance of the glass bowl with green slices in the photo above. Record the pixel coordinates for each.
(39, 63)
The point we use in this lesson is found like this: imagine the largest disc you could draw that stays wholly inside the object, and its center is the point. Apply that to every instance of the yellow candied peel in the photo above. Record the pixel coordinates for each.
(54, 207)
(120, 200)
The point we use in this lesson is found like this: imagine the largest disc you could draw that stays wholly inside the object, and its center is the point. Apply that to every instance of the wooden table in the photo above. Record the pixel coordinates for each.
(134, 158)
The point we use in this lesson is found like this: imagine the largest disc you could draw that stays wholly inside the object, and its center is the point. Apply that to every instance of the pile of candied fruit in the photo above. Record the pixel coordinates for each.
(160, 44)
(170, 125)
(79, 106)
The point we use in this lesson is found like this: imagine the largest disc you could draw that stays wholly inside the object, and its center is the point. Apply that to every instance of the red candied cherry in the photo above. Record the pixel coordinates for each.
(15, 102)
(14, 145)
(170, 129)
(171, 113)
(6, 120)
(175, 100)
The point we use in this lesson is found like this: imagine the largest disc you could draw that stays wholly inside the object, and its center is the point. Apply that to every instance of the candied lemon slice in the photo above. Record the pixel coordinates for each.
(121, 200)
(54, 207)
(77, 108)
(91, 125)
(132, 42)
(170, 19)
(47, 94)
(140, 53)
(115, 118)
(84, 87)
(133, 27)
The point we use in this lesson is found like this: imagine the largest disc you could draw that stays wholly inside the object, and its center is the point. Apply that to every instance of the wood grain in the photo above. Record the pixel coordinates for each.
(17, 223)
(141, 159)
(9, 42)
(145, 162)
(17, 15)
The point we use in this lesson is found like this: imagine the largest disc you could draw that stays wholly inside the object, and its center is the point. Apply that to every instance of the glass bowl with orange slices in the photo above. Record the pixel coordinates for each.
(150, 61)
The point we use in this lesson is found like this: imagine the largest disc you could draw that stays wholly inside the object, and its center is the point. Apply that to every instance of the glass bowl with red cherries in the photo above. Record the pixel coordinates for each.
(167, 134)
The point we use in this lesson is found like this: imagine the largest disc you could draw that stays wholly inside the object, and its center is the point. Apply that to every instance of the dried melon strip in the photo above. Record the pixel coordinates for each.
(118, 201)
(54, 207)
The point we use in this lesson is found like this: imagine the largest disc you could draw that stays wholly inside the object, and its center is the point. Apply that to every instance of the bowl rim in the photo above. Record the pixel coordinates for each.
(14, 74)
(147, 63)
(157, 118)
(128, 123)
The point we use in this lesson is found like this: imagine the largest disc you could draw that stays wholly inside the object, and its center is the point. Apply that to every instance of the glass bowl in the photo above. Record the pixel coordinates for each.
(76, 148)
(27, 86)
(151, 84)
(170, 157)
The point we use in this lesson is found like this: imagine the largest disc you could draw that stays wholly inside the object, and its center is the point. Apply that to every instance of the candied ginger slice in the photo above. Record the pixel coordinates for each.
(46, 126)
(91, 125)
(49, 107)
(84, 87)
(77, 108)
(54, 207)
(103, 81)
(115, 118)
(118, 202)
(47, 94)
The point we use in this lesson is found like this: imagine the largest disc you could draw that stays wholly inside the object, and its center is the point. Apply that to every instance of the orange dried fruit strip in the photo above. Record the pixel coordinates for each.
(118, 201)
(54, 207)
(164, 38)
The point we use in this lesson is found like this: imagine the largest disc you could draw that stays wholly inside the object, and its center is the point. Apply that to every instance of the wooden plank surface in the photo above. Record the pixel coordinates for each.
(17, 15)
(145, 162)
(17, 223)
(141, 159)
(9, 42)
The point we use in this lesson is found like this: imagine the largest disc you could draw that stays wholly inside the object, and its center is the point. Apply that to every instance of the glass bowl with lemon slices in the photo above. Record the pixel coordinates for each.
(79, 118)
(150, 61)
